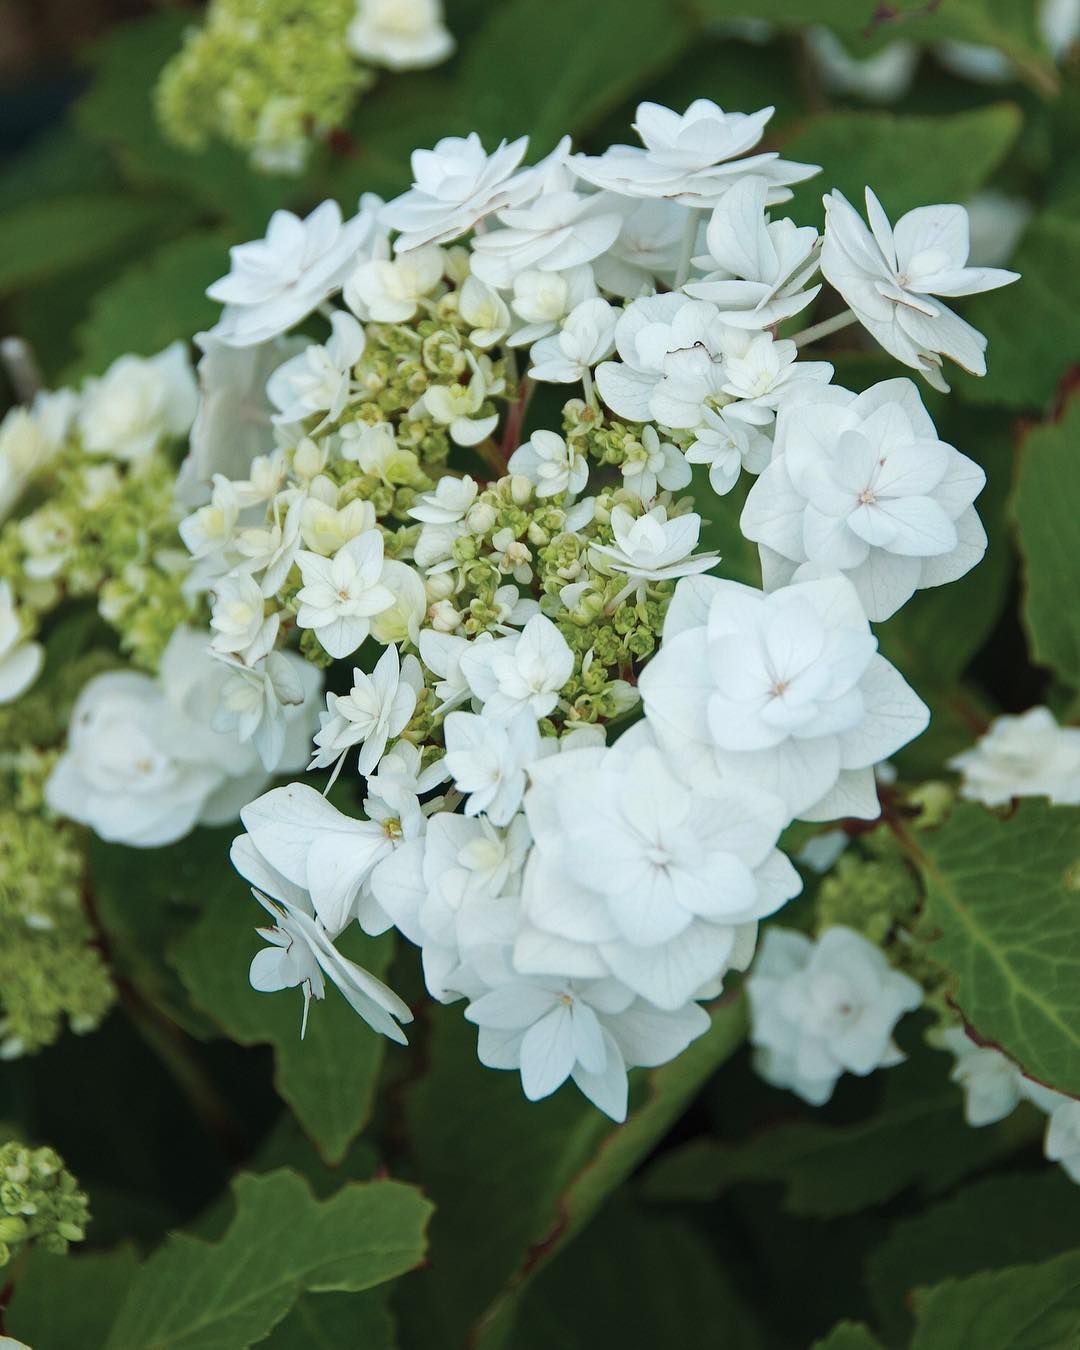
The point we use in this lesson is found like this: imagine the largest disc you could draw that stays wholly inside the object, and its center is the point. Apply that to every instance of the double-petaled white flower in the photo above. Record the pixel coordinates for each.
(822, 1009)
(692, 157)
(377, 707)
(319, 379)
(638, 875)
(889, 275)
(265, 702)
(652, 547)
(455, 186)
(586, 337)
(278, 281)
(522, 672)
(728, 445)
(342, 594)
(487, 759)
(457, 407)
(544, 299)
(390, 290)
(861, 484)
(551, 464)
(785, 690)
(400, 34)
(1025, 756)
(992, 1084)
(238, 620)
(758, 269)
(561, 228)
(301, 953)
(138, 404)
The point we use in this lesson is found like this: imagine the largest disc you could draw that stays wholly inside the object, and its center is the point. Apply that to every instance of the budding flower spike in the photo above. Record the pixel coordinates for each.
(564, 743)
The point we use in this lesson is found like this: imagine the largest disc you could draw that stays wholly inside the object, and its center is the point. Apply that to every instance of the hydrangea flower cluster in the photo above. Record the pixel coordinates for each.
(578, 741)
(273, 77)
(40, 1202)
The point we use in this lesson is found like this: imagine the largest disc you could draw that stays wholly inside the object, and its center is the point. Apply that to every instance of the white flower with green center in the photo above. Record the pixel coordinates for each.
(544, 299)
(390, 290)
(652, 547)
(239, 622)
(549, 462)
(485, 311)
(455, 406)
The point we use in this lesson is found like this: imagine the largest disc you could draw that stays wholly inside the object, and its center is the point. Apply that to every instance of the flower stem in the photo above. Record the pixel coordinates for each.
(823, 329)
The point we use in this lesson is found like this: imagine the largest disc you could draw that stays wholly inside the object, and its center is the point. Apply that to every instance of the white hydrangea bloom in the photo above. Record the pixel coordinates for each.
(523, 672)
(400, 34)
(300, 952)
(318, 379)
(486, 312)
(278, 281)
(1029, 755)
(758, 269)
(544, 299)
(881, 78)
(861, 484)
(456, 406)
(586, 336)
(377, 707)
(29, 439)
(390, 290)
(138, 404)
(728, 445)
(548, 461)
(257, 703)
(487, 760)
(455, 185)
(637, 875)
(786, 690)
(888, 276)
(341, 595)
(20, 661)
(652, 547)
(692, 158)
(820, 1009)
(143, 762)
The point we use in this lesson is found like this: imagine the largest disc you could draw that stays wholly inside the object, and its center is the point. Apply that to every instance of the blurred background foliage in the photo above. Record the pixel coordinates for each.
(729, 1214)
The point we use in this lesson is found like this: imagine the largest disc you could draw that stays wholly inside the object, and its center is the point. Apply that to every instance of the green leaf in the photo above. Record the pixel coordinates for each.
(993, 1223)
(46, 239)
(117, 111)
(58, 162)
(329, 1078)
(848, 1336)
(865, 26)
(514, 1180)
(1003, 916)
(1031, 1307)
(69, 1300)
(193, 1295)
(908, 161)
(524, 75)
(1033, 327)
(829, 1170)
(1047, 492)
(637, 1282)
(159, 299)
(337, 1322)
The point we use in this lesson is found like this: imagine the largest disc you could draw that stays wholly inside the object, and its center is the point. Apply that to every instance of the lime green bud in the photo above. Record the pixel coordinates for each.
(40, 1202)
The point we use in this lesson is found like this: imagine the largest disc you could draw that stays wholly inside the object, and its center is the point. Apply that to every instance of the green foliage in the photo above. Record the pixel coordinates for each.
(830, 1170)
(907, 160)
(1001, 920)
(1023, 1308)
(329, 1078)
(546, 1168)
(218, 1296)
(1047, 490)
(848, 1336)
(62, 1302)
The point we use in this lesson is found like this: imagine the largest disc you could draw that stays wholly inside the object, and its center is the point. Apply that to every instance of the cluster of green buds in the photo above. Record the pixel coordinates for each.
(40, 1202)
(265, 76)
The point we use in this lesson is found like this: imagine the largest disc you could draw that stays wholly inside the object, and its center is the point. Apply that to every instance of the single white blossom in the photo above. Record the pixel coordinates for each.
(276, 282)
(377, 707)
(448, 503)
(652, 547)
(487, 760)
(657, 464)
(992, 1083)
(860, 484)
(586, 337)
(485, 311)
(889, 274)
(521, 672)
(693, 157)
(544, 299)
(400, 34)
(785, 690)
(237, 618)
(318, 379)
(455, 185)
(30, 438)
(1029, 755)
(820, 1009)
(390, 290)
(342, 594)
(265, 703)
(728, 445)
(455, 406)
(138, 404)
(551, 464)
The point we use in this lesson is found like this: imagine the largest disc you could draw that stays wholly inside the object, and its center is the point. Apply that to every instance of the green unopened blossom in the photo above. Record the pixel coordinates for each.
(869, 895)
(40, 1202)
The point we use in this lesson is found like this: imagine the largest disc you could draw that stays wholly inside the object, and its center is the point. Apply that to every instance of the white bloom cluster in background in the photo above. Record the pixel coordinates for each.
(566, 745)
